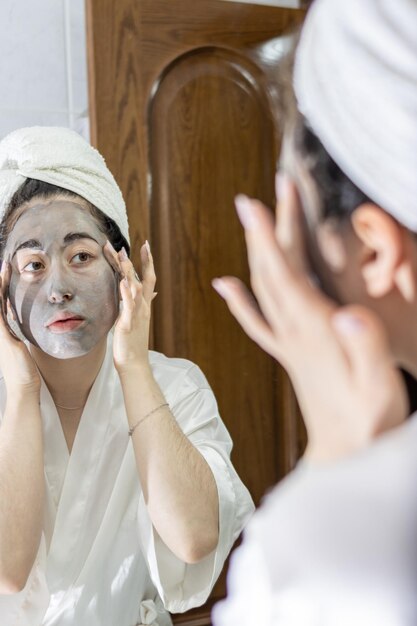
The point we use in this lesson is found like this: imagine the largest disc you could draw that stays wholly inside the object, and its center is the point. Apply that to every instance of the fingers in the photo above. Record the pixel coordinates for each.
(272, 279)
(289, 223)
(262, 247)
(364, 341)
(130, 303)
(3, 291)
(148, 270)
(372, 367)
(130, 276)
(278, 285)
(5, 306)
(122, 265)
(3, 315)
(112, 258)
(244, 308)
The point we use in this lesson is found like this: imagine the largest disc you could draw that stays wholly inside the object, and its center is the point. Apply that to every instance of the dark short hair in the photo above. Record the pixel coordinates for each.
(32, 188)
(339, 196)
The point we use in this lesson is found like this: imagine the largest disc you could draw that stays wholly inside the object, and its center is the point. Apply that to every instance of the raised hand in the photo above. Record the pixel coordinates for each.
(338, 359)
(16, 363)
(131, 335)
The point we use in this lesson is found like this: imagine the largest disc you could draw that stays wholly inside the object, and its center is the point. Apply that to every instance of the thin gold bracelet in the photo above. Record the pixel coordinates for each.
(142, 419)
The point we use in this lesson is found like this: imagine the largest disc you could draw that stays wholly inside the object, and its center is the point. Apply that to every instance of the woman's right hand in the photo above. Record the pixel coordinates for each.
(16, 363)
(338, 358)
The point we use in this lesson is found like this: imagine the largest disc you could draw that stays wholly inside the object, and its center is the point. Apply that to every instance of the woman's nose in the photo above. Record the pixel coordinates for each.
(57, 295)
(60, 289)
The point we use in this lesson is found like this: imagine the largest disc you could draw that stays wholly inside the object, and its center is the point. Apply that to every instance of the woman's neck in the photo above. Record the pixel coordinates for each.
(70, 380)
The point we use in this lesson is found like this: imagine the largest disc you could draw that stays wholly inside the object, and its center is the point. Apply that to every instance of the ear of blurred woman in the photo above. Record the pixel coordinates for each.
(389, 254)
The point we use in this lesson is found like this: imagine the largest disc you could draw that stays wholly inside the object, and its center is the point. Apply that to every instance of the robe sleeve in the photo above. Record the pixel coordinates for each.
(333, 544)
(183, 586)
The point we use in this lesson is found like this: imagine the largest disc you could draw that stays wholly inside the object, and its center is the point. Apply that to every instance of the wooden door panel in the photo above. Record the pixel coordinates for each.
(210, 135)
(180, 110)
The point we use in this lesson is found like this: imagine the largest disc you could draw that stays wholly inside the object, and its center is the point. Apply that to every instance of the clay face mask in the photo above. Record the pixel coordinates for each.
(63, 290)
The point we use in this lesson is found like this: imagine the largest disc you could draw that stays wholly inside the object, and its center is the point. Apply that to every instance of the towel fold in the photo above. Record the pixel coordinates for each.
(355, 80)
(61, 157)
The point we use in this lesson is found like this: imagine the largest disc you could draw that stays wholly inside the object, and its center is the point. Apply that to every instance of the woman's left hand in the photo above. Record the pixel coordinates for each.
(131, 334)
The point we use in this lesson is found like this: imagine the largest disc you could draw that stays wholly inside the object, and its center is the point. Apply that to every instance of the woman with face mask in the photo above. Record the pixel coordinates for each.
(336, 281)
(118, 501)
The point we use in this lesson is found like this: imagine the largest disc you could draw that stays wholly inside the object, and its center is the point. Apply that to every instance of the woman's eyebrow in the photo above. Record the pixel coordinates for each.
(30, 243)
(74, 236)
(34, 244)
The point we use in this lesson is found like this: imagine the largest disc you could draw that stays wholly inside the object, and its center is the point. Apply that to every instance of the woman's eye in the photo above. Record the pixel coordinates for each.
(33, 266)
(82, 257)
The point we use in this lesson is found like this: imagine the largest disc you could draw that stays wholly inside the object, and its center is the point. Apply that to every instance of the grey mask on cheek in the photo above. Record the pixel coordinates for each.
(21, 299)
(93, 297)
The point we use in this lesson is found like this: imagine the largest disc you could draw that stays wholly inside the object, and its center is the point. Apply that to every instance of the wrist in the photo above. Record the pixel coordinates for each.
(332, 451)
(23, 388)
(135, 372)
(18, 399)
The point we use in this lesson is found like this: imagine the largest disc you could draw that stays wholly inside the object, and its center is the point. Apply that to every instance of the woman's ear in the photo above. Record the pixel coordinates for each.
(386, 260)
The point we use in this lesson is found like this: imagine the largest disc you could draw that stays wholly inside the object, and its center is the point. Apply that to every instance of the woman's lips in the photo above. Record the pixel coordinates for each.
(64, 326)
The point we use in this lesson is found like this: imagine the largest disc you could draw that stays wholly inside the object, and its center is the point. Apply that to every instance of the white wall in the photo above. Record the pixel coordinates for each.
(43, 67)
(43, 75)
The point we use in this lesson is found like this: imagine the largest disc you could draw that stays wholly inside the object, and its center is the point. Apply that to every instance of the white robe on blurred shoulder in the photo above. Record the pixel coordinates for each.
(334, 545)
(100, 562)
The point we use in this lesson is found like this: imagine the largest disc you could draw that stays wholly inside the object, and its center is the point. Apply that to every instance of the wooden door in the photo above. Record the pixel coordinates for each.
(179, 107)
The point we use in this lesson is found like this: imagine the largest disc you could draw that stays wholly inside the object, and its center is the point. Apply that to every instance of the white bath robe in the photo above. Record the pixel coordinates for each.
(100, 562)
(334, 545)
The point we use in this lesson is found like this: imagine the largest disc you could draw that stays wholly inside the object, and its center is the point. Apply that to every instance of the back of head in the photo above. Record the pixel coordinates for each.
(355, 83)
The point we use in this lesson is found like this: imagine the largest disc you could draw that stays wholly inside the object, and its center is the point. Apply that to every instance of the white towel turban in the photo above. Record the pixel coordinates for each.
(355, 80)
(61, 157)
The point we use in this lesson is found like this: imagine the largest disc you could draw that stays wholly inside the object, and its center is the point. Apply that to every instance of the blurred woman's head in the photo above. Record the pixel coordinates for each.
(336, 91)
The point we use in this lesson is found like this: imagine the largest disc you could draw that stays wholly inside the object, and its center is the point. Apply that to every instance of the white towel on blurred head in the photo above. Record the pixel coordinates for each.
(61, 157)
(355, 79)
